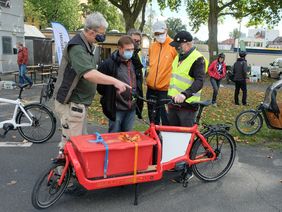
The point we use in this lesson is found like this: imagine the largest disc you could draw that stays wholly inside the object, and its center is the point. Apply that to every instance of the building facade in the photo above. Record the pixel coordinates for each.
(11, 32)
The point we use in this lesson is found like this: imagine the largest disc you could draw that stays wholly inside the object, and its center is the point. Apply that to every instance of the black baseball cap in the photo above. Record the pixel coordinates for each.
(181, 37)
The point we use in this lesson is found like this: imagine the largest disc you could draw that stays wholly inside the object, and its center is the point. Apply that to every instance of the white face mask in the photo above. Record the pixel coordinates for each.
(161, 38)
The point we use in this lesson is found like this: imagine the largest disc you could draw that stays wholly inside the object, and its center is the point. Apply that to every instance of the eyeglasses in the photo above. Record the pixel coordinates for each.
(99, 33)
(137, 41)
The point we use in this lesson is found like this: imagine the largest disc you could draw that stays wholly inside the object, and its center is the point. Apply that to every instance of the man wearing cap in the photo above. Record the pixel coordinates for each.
(187, 80)
(161, 56)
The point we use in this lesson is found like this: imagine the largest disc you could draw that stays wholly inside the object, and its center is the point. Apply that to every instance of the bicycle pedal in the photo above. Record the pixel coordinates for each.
(7, 127)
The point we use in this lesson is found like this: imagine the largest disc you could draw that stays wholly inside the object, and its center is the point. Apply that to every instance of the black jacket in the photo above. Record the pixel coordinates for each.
(108, 92)
(240, 69)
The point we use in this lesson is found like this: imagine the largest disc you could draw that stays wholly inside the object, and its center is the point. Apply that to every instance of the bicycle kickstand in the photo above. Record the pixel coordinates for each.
(186, 176)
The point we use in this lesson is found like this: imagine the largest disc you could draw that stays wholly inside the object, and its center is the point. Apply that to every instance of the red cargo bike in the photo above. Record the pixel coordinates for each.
(117, 159)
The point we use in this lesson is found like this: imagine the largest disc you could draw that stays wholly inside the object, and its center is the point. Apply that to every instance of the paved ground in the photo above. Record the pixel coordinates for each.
(253, 184)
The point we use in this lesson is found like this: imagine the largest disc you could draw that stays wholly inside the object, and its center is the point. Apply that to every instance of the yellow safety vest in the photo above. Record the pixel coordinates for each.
(181, 80)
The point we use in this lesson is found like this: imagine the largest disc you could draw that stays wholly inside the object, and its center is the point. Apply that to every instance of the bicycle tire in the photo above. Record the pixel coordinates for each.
(43, 123)
(247, 124)
(48, 179)
(44, 94)
(206, 170)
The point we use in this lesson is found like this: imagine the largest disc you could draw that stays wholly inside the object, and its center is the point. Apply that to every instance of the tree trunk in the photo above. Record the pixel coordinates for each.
(130, 11)
(212, 25)
(143, 21)
(129, 21)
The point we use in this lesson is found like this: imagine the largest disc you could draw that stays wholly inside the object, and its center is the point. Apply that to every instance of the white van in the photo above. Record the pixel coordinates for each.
(275, 69)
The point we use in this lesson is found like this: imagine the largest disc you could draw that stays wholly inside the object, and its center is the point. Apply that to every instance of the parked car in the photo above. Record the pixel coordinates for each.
(275, 69)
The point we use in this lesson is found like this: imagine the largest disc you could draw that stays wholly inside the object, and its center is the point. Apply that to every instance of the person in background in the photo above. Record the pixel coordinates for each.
(137, 61)
(217, 71)
(240, 69)
(77, 78)
(121, 108)
(161, 56)
(22, 62)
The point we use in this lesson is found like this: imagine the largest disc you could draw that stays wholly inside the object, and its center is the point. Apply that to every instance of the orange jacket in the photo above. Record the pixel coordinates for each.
(161, 57)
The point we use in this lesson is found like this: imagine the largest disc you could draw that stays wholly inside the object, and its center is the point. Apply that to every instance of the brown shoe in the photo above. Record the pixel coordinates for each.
(30, 85)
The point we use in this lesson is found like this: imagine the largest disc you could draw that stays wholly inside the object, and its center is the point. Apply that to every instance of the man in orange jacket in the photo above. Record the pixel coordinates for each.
(161, 56)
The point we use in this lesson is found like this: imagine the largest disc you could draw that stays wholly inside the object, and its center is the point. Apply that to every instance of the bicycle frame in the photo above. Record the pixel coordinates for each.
(71, 158)
(20, 106)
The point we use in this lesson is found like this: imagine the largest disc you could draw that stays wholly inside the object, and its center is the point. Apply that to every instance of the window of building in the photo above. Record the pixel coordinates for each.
(7, 45)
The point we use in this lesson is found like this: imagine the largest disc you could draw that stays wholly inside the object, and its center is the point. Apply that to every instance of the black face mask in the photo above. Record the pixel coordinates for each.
(100, 38)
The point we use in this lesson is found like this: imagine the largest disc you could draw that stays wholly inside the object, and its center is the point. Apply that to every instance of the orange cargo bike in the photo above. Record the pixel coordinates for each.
(117, 159)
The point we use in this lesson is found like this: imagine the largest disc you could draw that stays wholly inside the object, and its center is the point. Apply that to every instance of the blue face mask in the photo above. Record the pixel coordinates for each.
(127, 55)
(100, 38)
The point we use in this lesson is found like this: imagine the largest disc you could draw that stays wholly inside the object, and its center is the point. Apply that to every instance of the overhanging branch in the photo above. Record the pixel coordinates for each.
(226, 5)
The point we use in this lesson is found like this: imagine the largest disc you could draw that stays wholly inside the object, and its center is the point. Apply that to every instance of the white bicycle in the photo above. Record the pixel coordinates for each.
(35, 122)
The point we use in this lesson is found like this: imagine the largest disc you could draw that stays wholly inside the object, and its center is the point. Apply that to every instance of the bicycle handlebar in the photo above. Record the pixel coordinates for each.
(164, 101)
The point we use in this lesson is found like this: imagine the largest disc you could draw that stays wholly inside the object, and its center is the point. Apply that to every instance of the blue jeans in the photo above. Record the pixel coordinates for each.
(124, 121)
(22, 76)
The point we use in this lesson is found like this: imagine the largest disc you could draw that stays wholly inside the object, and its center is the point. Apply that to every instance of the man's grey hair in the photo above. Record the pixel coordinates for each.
(95, 21)
(134, 32)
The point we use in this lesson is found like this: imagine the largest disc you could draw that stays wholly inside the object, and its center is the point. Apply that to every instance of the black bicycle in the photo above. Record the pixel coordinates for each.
(48, 90)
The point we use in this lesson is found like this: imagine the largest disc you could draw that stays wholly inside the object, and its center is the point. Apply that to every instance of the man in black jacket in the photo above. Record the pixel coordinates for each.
(121, 108)
(240, 76)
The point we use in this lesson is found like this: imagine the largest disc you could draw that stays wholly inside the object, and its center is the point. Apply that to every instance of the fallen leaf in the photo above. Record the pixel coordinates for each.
(13, 182)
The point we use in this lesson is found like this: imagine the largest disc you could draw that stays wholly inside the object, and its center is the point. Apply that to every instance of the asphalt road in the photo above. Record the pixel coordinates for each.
(253, 183)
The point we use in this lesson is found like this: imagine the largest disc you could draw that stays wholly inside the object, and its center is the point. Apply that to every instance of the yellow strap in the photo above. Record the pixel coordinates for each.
(135, 163)
(126, 138)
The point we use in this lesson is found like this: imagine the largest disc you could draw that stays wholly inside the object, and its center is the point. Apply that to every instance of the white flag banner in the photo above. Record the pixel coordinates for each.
(61, 37)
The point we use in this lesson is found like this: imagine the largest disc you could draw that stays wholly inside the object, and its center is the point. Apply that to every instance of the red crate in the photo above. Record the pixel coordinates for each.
(91, 155)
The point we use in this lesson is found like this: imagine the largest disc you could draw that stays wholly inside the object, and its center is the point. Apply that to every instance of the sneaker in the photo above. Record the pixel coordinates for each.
(214, 104)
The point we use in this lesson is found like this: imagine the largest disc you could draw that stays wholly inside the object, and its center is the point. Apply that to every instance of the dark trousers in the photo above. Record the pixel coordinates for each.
(243, 86)
(184, 118)
(161, 113)
(215, 85)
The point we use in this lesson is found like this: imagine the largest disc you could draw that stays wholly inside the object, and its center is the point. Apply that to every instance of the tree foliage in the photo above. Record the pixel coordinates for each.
(110, 12)
(174, 25)
(211, 11)
(235, 34)
(67, 12)
(34, 15)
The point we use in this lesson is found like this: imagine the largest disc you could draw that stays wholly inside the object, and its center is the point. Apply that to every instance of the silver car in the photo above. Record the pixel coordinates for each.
(275, 69)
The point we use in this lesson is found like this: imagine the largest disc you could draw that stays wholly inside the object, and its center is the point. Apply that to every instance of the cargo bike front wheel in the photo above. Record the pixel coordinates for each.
(47, 191)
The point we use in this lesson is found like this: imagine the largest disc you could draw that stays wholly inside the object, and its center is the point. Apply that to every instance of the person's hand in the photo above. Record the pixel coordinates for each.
(121, 86)
(179, 98)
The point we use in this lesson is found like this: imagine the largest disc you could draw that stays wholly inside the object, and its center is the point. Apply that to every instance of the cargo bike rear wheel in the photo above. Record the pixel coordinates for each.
(46, 191)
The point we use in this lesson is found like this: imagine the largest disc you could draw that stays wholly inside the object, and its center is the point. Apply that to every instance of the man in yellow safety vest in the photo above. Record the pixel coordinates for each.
(188, 73)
